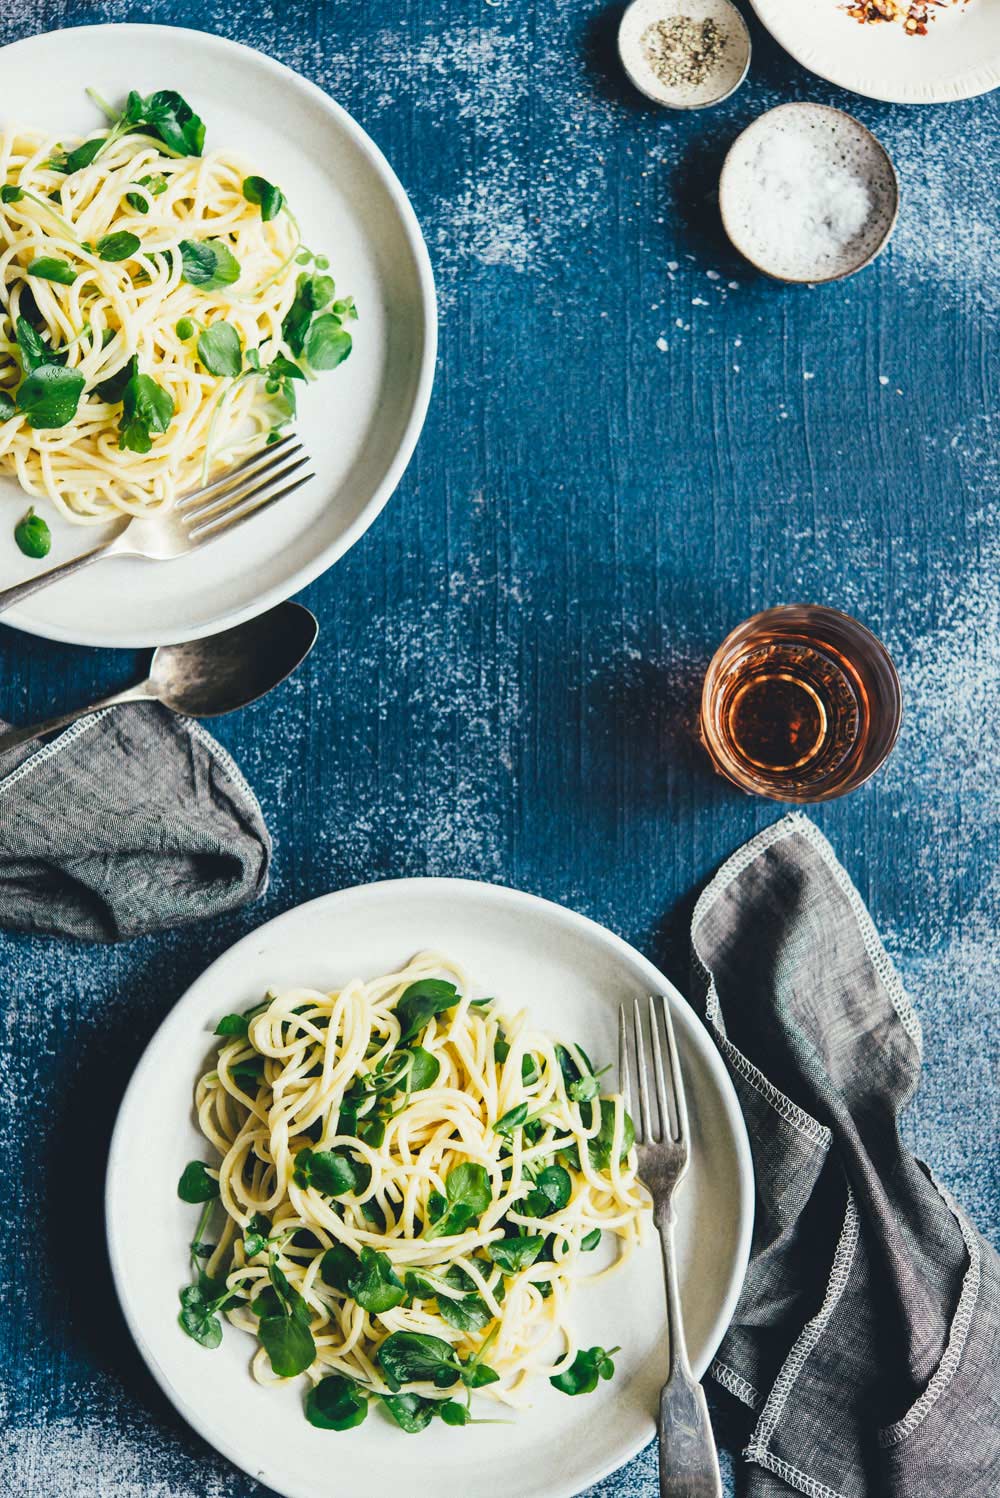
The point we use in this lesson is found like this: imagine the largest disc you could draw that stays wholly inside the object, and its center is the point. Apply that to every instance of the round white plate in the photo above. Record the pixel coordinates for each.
(572, 974)
(360, 424)
(957, 59)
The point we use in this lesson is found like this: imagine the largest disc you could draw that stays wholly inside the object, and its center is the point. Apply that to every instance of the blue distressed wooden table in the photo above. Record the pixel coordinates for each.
(634, 442)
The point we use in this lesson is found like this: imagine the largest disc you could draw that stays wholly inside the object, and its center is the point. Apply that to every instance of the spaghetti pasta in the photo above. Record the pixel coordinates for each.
(104, 264)
(398, 1158)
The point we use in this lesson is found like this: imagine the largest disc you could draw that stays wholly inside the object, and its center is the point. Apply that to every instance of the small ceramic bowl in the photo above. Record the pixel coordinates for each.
(807, 194)
(726, 73)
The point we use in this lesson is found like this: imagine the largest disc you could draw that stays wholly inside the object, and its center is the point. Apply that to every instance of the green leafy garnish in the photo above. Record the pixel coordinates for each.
(8, 406)
(208, 264)
(51, 268)
(32, 534)
(411, 1412)
(233, 1024)
(551, 1191)
(147, 410)
(513, 1254)
(50, 396)
(466, 1313)
(155, 184)
(417, 1357)
(327, 344)
(587, 1368)
(375, 1285)
(420, 1003)
(255, 1235)
(336, 1403)
(468, 1196)
(512, 1120)
(333, 1172)
(270, 198)
(600, 1147)
(170, 117)
(74, 161)
(220, 350)
(197, 1317)
(9, 193)
(196, 1185)
(283, 1327)
(118, 246)
(590, 1240)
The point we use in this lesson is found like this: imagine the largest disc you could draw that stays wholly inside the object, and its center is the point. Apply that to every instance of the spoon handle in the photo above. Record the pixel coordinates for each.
(16, 594)
(13, 736)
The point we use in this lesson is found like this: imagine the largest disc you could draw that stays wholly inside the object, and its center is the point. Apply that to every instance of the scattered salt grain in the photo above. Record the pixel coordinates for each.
(662, 345)
(883, 379)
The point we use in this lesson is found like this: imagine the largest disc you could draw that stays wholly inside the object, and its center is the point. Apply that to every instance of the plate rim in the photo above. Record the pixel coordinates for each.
(138, 639)
(972, 83)
(462, 888)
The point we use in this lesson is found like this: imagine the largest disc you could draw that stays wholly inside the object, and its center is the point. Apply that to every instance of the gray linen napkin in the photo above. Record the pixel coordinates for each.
(867, 1337)
(133, 820)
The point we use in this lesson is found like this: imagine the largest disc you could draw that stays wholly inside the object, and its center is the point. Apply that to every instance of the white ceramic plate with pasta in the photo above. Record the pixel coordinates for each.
(956, 55)
(570, 975)
(337, 195)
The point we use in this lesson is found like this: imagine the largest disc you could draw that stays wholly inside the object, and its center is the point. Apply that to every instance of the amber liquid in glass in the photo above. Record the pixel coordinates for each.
(792, 712)
(800, 703)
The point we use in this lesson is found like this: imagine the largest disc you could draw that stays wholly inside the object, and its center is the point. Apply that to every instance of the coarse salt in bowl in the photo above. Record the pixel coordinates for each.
(685, 54)
(808, 194)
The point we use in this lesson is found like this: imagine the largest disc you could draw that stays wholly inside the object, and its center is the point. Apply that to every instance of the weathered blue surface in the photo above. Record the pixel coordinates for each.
(634, 442)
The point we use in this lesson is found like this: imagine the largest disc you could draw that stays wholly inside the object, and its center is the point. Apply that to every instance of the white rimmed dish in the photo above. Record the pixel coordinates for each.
(572, 974)
(721, 82)
(959, 57)
(761, 233)
(359, 424)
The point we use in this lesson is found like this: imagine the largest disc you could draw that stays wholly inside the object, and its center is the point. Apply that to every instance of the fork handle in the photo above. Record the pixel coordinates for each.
(9, 597)
(689, 1461)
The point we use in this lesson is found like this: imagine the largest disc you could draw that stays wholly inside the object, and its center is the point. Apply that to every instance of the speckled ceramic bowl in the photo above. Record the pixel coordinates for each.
(788, 229)
(724, 78)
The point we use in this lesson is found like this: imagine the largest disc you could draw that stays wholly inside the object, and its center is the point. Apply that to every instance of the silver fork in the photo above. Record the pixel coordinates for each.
(197, 518)
(689, 1462)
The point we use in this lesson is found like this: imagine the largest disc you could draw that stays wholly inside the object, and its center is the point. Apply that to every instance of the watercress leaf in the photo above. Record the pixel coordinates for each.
(338, 1267)
(170, 117)
(147, 409)
(476, 1375)
(437, 1205)
(233, 1024)
(255, 1235)
(517, 1253)
(373, 1213)
(424, 1070)
(584, 1089)
(327, 344)
(600, 1147)
(501, 1048)
(469, 1185)
(201, 1324)
(420, 1002)
(418, 1288)
(74, 161)
(31, 533)
(530, 1071)
(281, 368)
(312, 293)
(196, 1185)
(155, 184)
(453, 1413)
(112, 389)
(455, 1220)
(8, 406)
(291, 1301)
(267, 1303)
(376, 1286)
(220, 350)
(582, 1375)
(11, 194)
(411, 1412)
(417, 1357)
(590, 1240)
(248, 1072)
(118, 246)
(551, 1191)
(270, 198)
(208, 264)
(468, 1313)
(288, 1343)
(51, 268)
(33, 349)
(336, 1403)
(512, 1120)
(332, 1172)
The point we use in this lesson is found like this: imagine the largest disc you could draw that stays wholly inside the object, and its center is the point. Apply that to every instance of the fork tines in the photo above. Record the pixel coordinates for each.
(661, 1117)
(252, 486)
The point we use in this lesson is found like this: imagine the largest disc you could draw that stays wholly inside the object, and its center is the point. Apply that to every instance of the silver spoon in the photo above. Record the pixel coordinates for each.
(207, 677)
